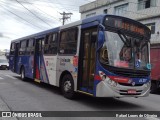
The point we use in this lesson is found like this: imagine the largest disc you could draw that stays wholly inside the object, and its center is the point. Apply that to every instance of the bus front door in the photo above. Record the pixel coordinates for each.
(87, 60)
(37, 58)
(39, 63)
(16, 57)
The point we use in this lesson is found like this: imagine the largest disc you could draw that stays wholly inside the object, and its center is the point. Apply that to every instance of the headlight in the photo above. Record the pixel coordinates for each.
(106, 79)
(109, 81)
(114, 84)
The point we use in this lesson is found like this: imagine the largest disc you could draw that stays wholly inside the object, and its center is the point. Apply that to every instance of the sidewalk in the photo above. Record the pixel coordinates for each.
(4, 107)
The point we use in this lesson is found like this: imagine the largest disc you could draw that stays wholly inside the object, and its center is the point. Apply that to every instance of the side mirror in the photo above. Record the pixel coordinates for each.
(104, 54)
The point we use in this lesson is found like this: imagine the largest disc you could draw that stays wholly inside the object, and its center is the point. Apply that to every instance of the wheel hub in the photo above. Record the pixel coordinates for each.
(67, 86)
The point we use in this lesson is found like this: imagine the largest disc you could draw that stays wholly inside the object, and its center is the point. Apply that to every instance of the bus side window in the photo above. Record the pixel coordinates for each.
(12, 50)
(50, 46)
(27, 52)
(45, 45)
(53, 44)
(30, 47)
(22, 49)
(68, 41)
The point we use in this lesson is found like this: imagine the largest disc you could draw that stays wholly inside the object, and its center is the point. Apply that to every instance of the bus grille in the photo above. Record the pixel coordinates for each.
(128, 72)
(127, 84)
(132, 74)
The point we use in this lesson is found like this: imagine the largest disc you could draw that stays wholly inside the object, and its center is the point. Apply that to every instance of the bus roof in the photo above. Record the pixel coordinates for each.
(98, 18)
(87, 20)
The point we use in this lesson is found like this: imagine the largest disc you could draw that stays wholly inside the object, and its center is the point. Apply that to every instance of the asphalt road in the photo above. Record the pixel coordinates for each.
(31, 96)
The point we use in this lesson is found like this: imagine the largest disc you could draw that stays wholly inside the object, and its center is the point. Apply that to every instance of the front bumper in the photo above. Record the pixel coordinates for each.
(105, 90)
(4, 67)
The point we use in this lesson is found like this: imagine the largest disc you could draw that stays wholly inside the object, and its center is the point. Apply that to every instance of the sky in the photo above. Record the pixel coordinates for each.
(19, 18)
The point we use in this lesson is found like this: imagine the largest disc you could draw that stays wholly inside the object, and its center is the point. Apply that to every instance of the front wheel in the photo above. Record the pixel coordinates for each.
(67, 86)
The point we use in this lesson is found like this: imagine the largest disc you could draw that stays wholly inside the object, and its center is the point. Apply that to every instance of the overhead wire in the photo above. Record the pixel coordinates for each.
(51, 16)
(44, 12)
(61, 4)
(109, 8)
(11, 6)
(33, 13)
(64, 5)
(48, 2)
(98, 4)
(20, 17)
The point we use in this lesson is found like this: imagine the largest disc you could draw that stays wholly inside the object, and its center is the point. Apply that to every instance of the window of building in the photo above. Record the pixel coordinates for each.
(143, 4)
(50, 46)
(68, 41)
(121, 10)
(105, 11)
(90, 14)
(151, 26)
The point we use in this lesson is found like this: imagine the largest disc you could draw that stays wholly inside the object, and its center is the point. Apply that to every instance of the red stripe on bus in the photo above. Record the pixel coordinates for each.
(119, 79)
(37, 72)
(97, 77)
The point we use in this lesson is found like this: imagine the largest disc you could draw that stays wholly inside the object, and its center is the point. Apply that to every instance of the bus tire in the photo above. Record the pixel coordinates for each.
(23, 74)
(67, 86)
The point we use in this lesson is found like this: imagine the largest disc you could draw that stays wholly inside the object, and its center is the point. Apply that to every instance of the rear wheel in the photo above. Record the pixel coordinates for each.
(23, 74)
(67, 86)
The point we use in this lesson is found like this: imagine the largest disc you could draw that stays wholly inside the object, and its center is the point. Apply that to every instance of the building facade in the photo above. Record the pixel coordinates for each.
(144, 11)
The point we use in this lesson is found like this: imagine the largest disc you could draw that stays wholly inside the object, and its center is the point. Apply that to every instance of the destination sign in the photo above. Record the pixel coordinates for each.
(127, 25)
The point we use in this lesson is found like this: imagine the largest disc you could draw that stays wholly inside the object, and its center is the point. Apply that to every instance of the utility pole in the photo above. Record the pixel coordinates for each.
(65, 16)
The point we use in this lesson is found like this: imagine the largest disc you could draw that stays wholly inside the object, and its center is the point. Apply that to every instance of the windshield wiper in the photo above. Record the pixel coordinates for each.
(145, 44)
(122, 38)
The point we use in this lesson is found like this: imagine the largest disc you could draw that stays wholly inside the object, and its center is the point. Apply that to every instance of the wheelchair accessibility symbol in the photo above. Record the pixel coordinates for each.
(138, 62)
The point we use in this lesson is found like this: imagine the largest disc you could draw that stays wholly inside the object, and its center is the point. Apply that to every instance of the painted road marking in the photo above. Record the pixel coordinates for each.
(10, 76)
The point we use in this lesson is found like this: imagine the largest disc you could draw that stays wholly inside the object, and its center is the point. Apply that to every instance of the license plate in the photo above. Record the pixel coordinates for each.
(132, 92)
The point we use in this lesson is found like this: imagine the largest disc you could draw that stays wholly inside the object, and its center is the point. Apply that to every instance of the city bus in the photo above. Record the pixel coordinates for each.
(101, 56)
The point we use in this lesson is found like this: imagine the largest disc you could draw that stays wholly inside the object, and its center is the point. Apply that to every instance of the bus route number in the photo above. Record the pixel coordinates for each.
(142, 80)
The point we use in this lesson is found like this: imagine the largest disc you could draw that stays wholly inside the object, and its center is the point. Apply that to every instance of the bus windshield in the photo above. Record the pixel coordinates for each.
(123, 51)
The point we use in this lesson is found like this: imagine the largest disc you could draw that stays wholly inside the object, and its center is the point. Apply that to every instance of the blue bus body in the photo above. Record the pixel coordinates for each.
(86, 63)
